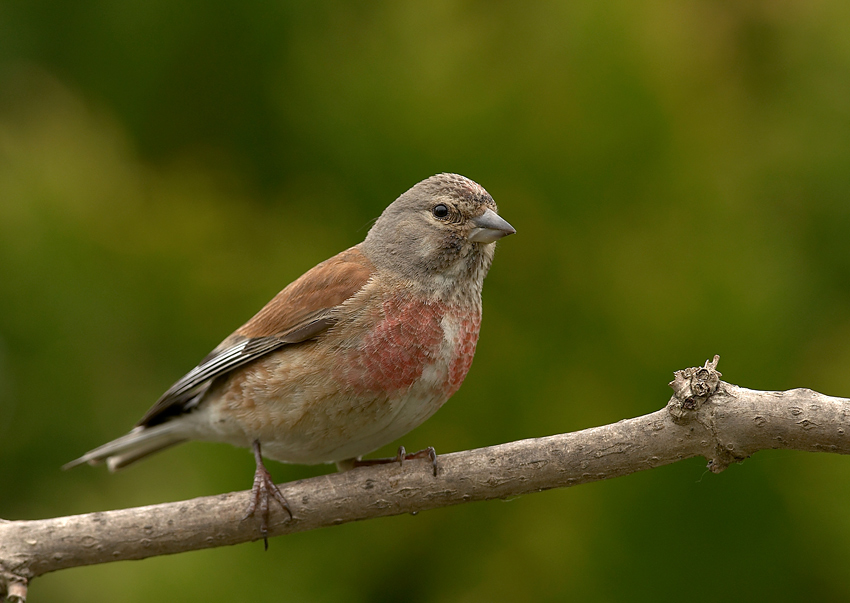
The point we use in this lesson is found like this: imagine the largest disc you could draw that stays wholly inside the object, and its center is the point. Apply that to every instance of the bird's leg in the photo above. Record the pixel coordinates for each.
(398, 458)
(263, 488)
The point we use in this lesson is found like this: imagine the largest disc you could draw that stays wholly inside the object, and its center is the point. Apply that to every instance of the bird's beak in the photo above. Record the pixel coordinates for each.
(489, 227)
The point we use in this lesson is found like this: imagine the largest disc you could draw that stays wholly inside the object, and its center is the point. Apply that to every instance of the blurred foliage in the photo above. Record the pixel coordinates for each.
(678, 173)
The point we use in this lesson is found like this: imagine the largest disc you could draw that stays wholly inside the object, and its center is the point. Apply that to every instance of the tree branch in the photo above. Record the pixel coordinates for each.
(705, 417)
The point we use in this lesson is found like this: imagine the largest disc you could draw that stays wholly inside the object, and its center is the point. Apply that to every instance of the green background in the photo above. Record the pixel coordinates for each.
(678, 174)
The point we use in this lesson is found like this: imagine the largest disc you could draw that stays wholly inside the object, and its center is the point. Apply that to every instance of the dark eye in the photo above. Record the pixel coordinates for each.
(440, 211)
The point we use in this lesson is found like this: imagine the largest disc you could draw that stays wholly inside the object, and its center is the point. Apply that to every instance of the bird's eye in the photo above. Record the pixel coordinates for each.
(440, 211)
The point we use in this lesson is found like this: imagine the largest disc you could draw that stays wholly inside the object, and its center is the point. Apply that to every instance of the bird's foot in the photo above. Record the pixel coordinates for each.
(264, 489)
(398, 458)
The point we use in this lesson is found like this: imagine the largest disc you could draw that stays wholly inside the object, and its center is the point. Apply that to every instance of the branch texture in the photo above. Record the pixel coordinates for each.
(705, 417)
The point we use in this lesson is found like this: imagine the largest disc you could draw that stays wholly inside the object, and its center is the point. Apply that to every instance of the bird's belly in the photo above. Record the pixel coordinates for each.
(332, 400)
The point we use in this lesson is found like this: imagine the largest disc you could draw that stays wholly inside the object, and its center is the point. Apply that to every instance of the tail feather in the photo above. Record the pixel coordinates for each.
(129, 448)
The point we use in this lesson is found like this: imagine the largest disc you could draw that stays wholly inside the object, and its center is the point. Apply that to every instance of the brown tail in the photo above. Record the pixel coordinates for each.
(129, 448)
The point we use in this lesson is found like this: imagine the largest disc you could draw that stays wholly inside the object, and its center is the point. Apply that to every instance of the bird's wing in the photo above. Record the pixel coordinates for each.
(303, 310)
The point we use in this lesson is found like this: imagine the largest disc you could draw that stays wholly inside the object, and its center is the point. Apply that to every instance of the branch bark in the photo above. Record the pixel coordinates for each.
(705, 417)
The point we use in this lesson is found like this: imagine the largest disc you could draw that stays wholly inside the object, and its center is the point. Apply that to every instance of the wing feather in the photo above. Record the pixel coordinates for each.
(302, 311)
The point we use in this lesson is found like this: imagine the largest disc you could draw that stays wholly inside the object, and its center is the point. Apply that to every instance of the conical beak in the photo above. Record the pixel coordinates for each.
(489, 227)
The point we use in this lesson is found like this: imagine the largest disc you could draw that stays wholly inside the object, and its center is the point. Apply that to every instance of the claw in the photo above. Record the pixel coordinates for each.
(426, 453)
(262, 489)
(399, 458)
(401, 455)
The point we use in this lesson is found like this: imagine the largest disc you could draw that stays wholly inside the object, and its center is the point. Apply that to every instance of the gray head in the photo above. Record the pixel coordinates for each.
(440, 233)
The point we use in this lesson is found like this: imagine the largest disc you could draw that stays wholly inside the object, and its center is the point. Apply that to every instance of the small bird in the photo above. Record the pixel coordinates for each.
(352, 355)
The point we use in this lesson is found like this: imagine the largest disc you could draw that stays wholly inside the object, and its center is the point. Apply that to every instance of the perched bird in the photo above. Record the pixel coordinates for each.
(350, 356)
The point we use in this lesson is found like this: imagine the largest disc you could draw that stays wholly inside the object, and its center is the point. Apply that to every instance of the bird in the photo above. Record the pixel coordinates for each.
(351, 356)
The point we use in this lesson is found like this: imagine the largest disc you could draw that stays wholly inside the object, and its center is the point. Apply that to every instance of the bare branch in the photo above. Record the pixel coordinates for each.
(705, 417)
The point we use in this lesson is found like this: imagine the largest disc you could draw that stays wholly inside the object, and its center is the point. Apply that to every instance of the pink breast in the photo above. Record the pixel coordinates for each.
(397, 349)
(407, 339)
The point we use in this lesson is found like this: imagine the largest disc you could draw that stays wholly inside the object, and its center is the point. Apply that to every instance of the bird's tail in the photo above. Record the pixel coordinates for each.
(129, 448)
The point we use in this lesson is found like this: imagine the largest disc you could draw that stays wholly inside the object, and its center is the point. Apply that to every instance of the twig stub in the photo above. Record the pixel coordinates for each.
(692, 387)
(17, 592)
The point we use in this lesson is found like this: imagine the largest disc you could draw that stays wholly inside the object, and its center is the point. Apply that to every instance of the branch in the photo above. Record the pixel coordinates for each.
(705, 417)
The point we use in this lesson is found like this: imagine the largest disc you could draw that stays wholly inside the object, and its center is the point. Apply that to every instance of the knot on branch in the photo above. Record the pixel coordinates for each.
(691, 388)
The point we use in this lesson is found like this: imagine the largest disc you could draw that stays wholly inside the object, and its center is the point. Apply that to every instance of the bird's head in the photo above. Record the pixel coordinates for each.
(440, 233)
